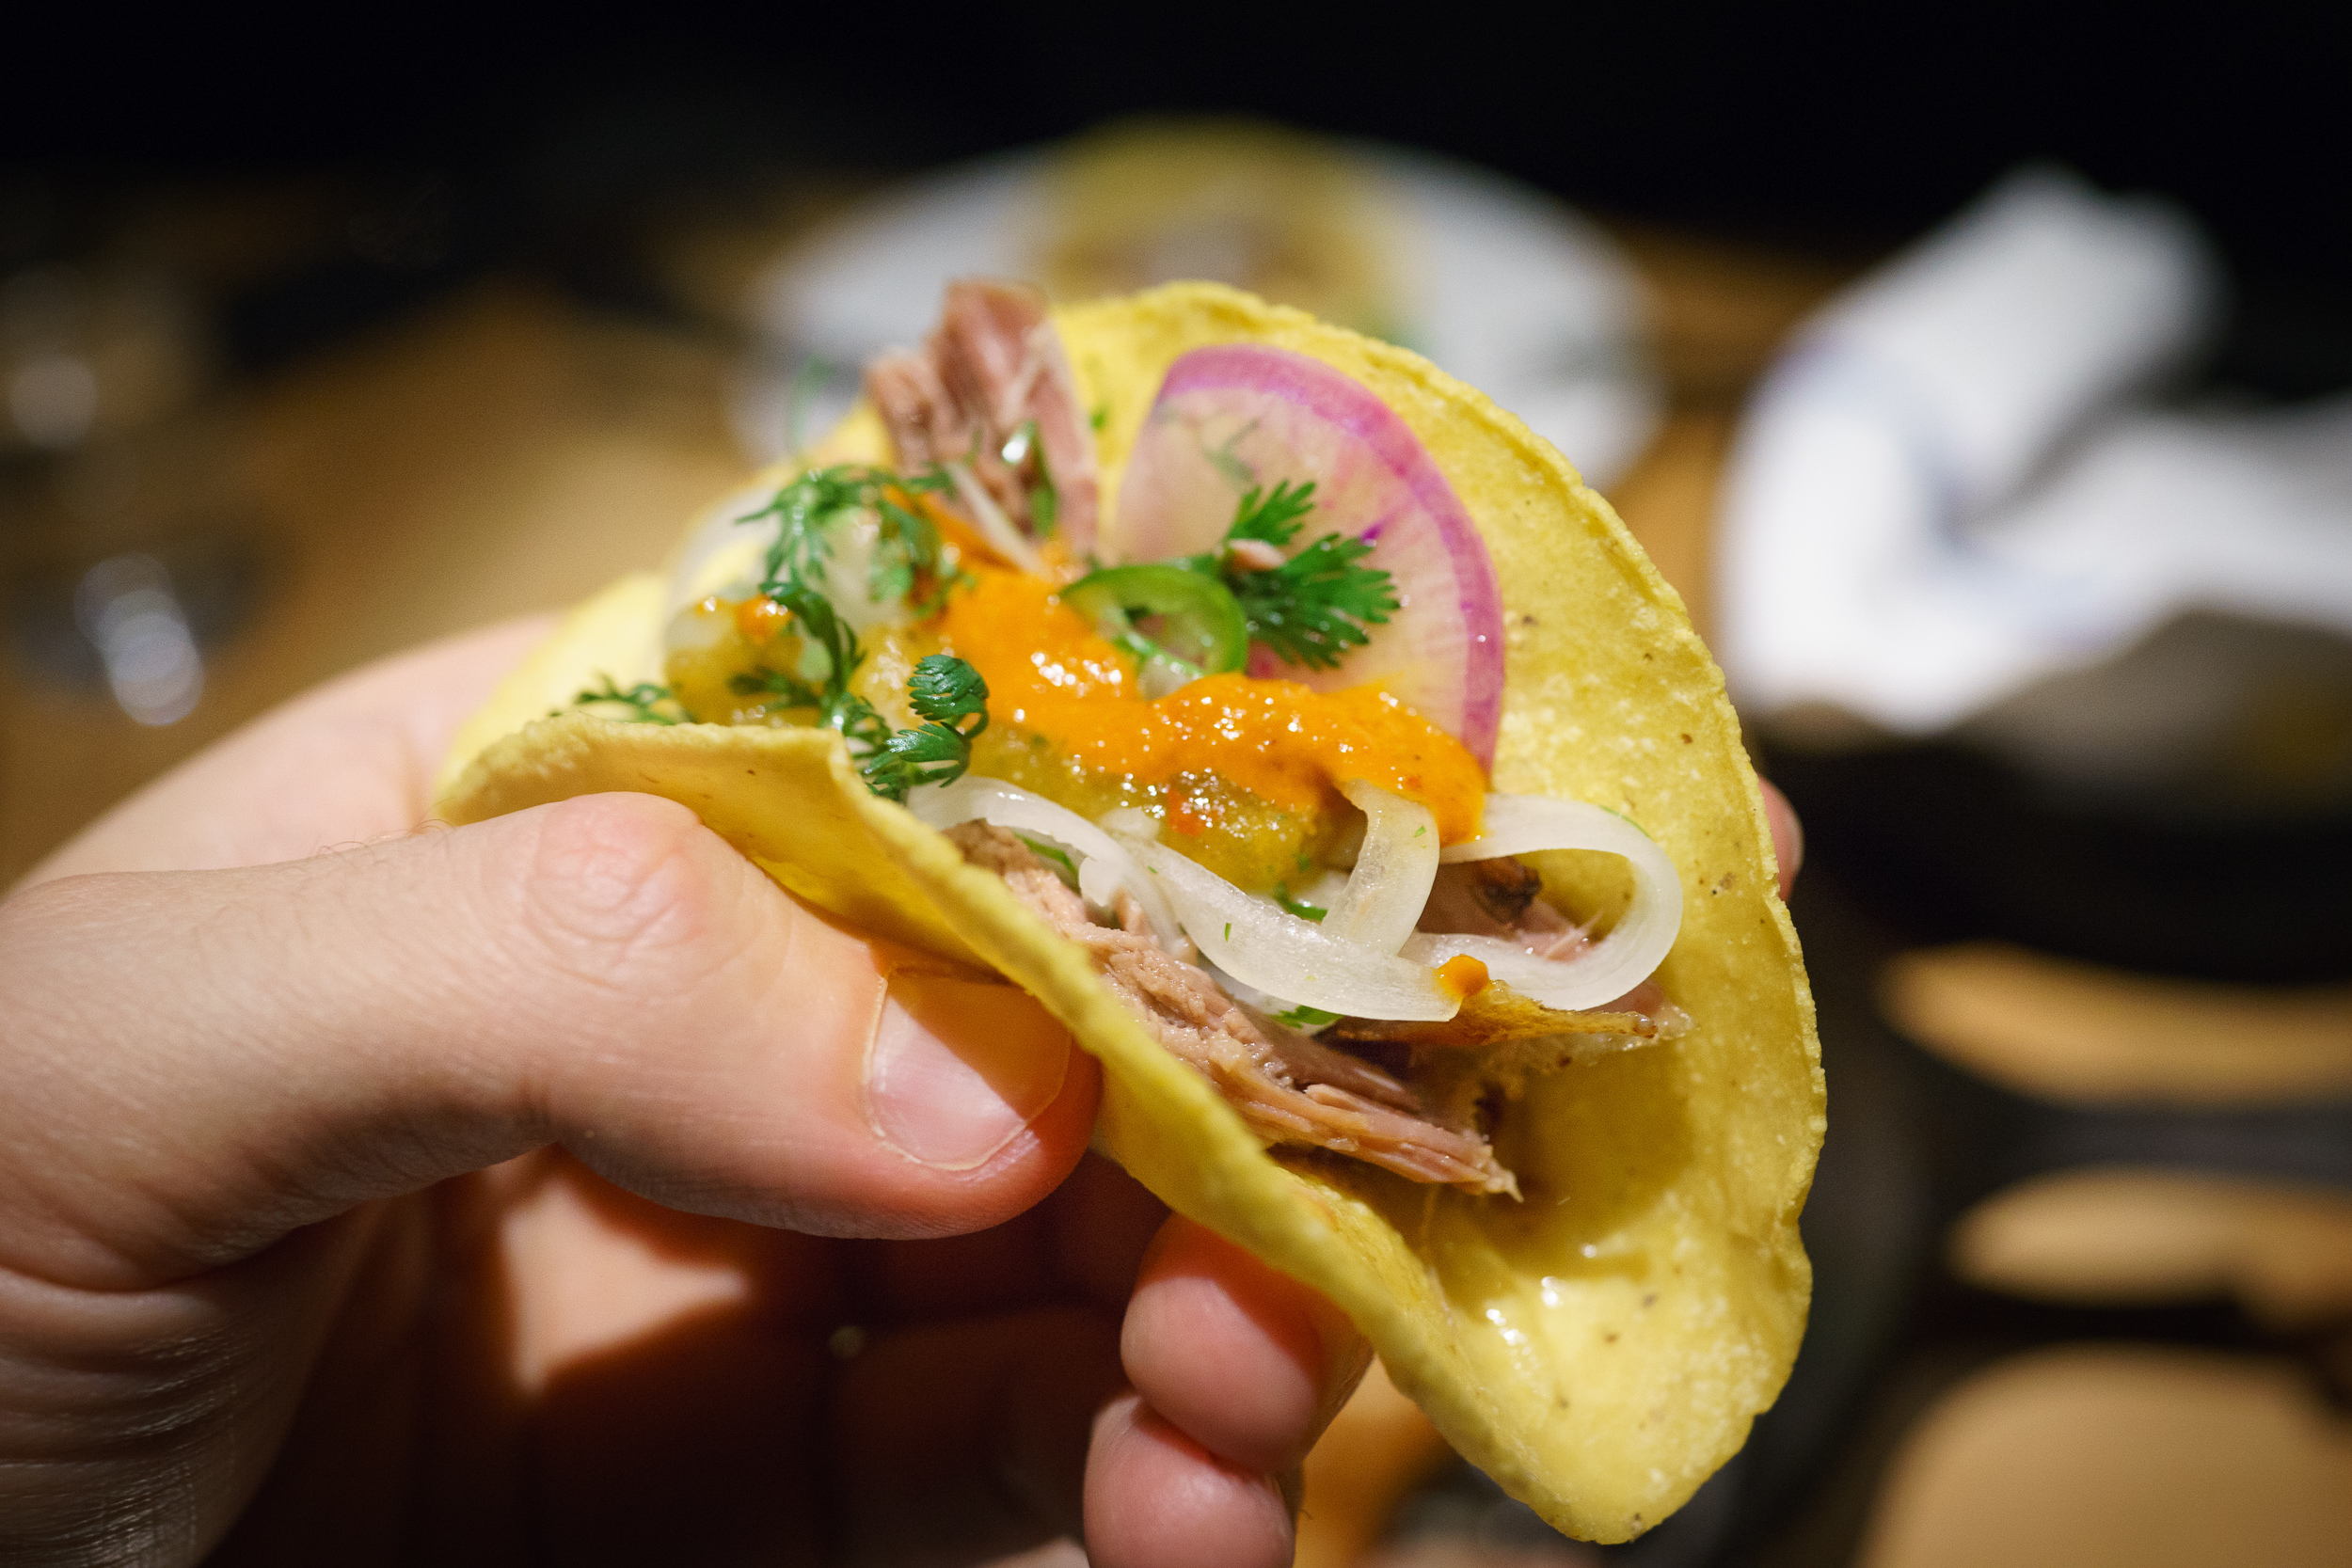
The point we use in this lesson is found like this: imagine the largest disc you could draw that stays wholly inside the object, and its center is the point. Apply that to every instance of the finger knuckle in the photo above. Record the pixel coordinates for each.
(623, 886)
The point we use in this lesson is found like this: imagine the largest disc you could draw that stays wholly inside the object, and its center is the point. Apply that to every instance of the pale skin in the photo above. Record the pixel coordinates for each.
(557, 1190)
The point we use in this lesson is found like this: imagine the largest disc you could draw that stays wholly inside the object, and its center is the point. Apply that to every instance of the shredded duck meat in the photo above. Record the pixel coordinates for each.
(992, 367)
(1500, 897)
(1288, 1086)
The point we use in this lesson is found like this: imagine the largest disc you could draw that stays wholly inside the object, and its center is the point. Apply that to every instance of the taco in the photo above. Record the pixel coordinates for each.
(1299, 729)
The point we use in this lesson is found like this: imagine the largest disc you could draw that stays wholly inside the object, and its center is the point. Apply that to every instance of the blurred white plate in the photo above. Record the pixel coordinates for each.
(1498, 284)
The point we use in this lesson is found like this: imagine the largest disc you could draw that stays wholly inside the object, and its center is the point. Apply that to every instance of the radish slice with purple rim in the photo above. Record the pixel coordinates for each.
(1239, 415)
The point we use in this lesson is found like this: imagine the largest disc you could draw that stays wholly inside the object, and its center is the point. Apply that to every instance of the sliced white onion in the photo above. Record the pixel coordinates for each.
(1160, 676)
(1394, 870)
(1103, 865)
(686, 632)
(1130, 822)
(994, 527)
(1524, 824)
(723, 549)
(848, 575)
(1242, 991)
(1285, 956)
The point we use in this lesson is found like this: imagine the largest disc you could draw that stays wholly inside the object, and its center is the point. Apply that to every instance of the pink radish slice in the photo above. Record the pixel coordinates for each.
(1238, 416)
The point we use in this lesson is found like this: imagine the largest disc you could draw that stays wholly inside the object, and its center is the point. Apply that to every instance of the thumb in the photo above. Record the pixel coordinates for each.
(201, 1062)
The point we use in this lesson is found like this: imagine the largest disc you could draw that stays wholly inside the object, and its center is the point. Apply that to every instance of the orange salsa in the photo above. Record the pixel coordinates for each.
(1243, 772)
(1246, 770)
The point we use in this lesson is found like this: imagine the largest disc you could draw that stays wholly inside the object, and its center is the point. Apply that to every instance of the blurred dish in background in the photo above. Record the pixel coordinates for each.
(1271, 211)
(1500, 285)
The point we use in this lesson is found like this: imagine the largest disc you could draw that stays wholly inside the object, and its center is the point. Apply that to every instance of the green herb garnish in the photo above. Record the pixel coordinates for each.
(1312, 607)
(1044, 504)
(944, 691)
(1306, 1018)
(1019, 444)
(1273, 516)
(838, 707)
(1053, 852)
(647, 702)
(1304, 911)
(804, 511)
(1226, 461)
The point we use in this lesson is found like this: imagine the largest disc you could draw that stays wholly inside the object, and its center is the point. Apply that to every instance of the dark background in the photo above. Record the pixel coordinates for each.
(1837, 129)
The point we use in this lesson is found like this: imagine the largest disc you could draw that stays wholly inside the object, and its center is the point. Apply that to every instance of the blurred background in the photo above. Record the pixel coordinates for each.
(1981, 377)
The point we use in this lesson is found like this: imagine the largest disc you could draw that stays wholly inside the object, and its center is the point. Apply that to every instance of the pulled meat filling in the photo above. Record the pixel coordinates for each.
(1500, 897)
(1287, 1086)
(992, 367)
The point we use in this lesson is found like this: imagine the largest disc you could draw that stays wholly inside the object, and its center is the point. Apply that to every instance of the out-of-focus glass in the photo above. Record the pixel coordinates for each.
(126, 607)
(87, 353)
(120, 539)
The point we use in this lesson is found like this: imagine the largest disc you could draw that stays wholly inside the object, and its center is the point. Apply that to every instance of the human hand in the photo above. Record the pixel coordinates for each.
(372, 1194)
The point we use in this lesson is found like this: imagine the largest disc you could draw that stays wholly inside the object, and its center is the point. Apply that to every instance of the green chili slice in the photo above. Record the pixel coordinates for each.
(1195, 620)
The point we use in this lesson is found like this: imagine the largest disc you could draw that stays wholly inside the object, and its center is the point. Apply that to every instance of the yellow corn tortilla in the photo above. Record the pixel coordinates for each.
(1598, 1348)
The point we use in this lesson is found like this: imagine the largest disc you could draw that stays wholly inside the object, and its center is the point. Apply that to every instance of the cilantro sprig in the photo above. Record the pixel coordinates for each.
(1066, 868)
(1274, 516)
(906, 551)
(837, 706)
(646, 702)
(944, 691)
(1043, 498)
(1314, 608)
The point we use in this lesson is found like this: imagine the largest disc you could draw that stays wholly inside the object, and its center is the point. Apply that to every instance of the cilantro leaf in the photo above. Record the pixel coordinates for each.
(1306, 1018)
(838, 707)
(1315, 606)
(647, 702)
(909, 547)
(1055, 855)
(946, 691)
(1272, 517)
(1297, 906)
(806, 510)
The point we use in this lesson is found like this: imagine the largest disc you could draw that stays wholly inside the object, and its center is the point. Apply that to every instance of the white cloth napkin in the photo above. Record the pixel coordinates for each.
(1945, 491)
